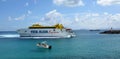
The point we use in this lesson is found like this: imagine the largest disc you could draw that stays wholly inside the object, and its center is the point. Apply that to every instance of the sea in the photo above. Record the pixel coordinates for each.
(86, 45)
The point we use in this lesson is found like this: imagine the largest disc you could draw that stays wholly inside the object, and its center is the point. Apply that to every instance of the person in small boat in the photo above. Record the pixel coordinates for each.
(39, 43)
(44, 45)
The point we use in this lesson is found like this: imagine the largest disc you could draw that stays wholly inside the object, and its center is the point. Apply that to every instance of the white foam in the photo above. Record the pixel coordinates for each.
(9, 35)
(39, 37)
(18, 36)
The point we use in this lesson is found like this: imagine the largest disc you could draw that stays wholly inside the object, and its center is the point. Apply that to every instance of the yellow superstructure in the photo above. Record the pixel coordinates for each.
(36, 26)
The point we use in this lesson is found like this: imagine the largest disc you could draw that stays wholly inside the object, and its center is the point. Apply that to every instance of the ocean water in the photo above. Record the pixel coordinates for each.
(86, 45)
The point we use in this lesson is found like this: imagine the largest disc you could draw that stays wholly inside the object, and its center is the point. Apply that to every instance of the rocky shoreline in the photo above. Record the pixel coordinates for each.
(111, 32)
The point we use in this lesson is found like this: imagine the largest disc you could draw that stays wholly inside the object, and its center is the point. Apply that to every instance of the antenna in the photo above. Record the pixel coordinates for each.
(111, 29)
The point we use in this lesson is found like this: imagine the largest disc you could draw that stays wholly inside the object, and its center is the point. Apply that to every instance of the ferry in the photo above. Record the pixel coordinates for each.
(55, 31)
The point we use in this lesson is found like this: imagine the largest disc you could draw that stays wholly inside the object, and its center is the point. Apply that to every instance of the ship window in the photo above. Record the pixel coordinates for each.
(44, 31)
(34, 31)
(25, 31)
(53, 29)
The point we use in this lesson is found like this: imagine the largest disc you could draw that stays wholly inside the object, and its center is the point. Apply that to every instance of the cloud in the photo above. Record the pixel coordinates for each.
(76, 21)
(22, 17)
(108, 2)
(9, 18)
(29, 12)
(53, 15)
(69, 3)
(98, 21)
(26, 4)
(82, 20)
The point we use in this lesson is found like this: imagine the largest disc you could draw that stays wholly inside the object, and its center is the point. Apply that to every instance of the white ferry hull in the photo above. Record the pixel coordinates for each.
(47, 33)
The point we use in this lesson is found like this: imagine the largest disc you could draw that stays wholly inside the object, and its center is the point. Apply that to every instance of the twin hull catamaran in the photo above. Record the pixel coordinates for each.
(37, 30)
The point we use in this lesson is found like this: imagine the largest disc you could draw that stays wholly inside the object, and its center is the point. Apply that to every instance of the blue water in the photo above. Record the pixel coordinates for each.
(86, 45)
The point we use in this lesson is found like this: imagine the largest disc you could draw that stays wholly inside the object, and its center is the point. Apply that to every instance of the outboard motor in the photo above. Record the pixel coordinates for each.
(50, 47)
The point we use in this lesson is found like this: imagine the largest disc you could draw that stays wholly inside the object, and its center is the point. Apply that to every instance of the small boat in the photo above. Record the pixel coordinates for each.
(44, 45)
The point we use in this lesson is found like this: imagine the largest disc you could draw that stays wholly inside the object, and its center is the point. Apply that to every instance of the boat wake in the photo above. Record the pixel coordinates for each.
(9, 36)
(39, 37)
(18, 36)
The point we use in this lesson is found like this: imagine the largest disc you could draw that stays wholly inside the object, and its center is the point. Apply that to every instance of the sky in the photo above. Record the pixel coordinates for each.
(75, 14)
